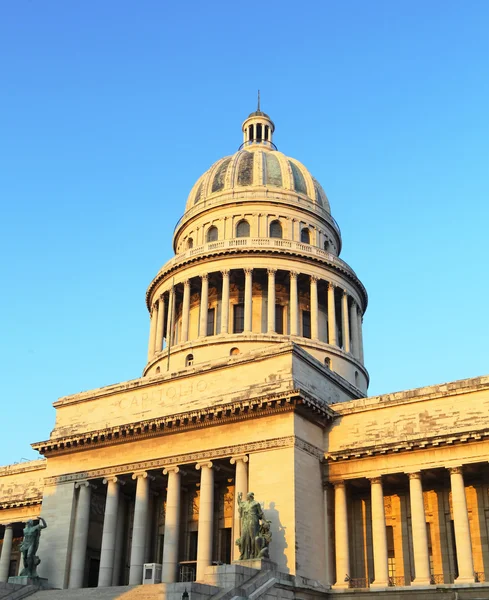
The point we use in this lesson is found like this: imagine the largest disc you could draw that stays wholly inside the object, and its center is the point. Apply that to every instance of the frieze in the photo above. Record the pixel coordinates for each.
(194, 457)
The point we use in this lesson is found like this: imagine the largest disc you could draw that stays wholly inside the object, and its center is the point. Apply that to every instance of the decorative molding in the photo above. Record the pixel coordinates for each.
(416, 475)
(20, 503)
(178, 460)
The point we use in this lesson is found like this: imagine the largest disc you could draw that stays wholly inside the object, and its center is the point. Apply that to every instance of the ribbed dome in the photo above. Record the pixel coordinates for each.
(252, 168)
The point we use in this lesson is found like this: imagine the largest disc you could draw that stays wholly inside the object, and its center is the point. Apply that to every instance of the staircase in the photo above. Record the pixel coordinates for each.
(139, 592)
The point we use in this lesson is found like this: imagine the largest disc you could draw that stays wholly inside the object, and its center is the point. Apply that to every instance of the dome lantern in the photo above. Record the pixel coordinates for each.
(258, 129)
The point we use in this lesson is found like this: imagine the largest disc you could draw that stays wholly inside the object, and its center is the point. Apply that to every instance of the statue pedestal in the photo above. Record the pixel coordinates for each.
(40, 582)
(262, 564)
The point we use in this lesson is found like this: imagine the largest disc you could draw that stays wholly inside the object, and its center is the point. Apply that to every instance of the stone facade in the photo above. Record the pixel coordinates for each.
(255, 381)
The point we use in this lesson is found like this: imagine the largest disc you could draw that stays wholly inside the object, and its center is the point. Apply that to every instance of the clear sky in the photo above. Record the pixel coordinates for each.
(109, 112)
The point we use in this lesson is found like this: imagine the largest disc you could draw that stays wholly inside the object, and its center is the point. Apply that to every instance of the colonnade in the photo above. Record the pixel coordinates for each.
(337, 300)
(110, 553)
(422, 575)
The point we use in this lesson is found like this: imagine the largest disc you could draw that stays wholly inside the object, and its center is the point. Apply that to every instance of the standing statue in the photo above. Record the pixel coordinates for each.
(29, 547)
(255, 536)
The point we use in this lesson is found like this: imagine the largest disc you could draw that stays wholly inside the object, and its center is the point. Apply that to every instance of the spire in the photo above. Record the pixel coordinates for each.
(258, 109)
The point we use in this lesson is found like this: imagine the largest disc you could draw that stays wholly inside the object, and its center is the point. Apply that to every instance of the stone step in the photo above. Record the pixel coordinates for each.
(140, 592)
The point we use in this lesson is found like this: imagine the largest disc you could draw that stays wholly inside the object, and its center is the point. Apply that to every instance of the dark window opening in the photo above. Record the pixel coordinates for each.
(250, 132)
(243, 229)
(192, 547)
(234, 352)
(266, 132)
(258, 132)
(225, 546)
(326, 246)
(190, 243)
(275, 229)
(279, 318)
(212, 234)
(306, 324)
(238, 318)
(305, 236)
(189, 361)
(211, 321)
(327, 362)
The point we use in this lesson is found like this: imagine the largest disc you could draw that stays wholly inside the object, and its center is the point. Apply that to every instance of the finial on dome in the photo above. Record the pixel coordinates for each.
(258, 109)
(258, 128)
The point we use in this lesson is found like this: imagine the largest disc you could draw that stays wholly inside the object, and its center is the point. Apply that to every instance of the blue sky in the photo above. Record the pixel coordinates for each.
(110, 111)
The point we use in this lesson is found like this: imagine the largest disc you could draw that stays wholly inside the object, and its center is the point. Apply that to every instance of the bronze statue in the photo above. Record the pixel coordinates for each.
(29, 547)
(255, 537)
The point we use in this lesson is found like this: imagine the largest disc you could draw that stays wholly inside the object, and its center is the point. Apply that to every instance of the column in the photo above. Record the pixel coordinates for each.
(314, 308)
(248, 300)
(138, 544)
(240, 486)
(294, 308)
(225, 301)
(360, 334)
(204, 302)
(461, 526)
(170, 317)
(420, 535)
(6, 553)
(271, 301)
(119, 542)
(331, 316)
(152, 331)
(185, 310)
(346, 323)
(172, 526)
(80, 535)
(159, 325)
(354, 330)
(107, 551)
(206, 518)
(341, 535)
(329, 566)
(379, 535)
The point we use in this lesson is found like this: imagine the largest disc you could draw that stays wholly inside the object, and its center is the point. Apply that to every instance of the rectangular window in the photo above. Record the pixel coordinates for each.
(306, 324)
(238, 318)
(279, 318)
(192, 547)
(225, 546)
(211, 321)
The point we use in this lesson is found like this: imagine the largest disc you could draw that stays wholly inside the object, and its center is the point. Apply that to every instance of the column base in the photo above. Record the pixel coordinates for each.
(420, 582)
(342, 585)
(379, 584)
(464, 580)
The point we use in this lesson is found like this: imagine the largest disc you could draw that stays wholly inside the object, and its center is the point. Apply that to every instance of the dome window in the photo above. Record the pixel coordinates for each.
(245, 169)
(234, 352)
(189, 361)
(219, 178)
(299, 181)
(275, 229)
(212, 234)
(357, 378)
(243, 229)
(273, 172)
(190, 243)
(157, 370)
(305, 236)
(326, 245)
(327, 362)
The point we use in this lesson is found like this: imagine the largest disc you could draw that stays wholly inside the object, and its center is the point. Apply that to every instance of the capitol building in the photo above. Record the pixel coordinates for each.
(255, 381)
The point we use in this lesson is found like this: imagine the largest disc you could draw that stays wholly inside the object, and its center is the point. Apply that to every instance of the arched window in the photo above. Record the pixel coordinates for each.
(326, 245)
(275, 229)
(327, 362)
(212, 234)
(157, 369)
(356, 378)
(234, 352)
(189, 361)
(305, 236)
(243, 229)
(190, 243)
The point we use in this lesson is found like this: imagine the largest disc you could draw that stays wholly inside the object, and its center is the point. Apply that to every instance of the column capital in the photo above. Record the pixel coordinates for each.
(207, 463)
(314, 278)
(248, 270)
(238, 458)
(143, 474)
(337, 483)
(172, 469)
(186, 283)
(10, 525)
(204, 276)
(331, 286)
(225, 272)
(84, 483)
(271, 271)
(415, 475)
(113, 479)
(456, 470)
(293, 274)
(345, 293)
(377, 479)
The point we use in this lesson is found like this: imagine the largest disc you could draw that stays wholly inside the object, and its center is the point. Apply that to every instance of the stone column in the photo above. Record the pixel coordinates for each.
(107, 551)
(360, 334)
(271, 301)
(159, 325)
(354, 330)
(294, 305)
(342, 546)
(80, 535)
(314, 308)
(461, 526)
(152, 331)
(172, 526)
(185, 310)
(346, 323)
(248, 301)
(240, 486)
(420, 534)
(206, 518)
(6, 553)
(328, 566)
(331, 316)
(170, 317)
(204, 303)
(119, 542)
(225, 301)
(379, 535)
(138, 544)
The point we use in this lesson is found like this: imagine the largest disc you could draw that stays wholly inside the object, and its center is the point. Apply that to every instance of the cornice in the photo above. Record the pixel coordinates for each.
(294, 400)
(421, 443)
(189, 458)
(20, 503)
(32, 465)
(335, 264)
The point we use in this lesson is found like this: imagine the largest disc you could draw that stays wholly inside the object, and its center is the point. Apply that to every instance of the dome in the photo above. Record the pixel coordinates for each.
(253, 168)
